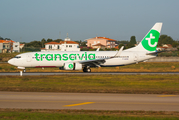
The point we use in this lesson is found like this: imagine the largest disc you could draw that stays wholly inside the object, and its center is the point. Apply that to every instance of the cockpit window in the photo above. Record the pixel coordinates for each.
(17, 57)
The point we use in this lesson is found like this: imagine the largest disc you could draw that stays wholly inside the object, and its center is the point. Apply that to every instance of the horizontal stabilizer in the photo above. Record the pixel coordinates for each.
(154, 53)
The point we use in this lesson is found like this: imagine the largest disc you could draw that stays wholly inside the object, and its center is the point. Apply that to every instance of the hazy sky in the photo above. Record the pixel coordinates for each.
(28, 20)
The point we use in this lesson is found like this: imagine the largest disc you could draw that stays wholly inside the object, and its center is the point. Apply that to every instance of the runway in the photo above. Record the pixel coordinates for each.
(89, 101)
(92, 73)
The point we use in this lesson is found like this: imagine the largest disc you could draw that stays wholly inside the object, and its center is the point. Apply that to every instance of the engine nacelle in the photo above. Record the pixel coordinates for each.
(72, 66)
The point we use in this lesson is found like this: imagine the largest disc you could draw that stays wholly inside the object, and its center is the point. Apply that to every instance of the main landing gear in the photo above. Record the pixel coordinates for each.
(86, 69)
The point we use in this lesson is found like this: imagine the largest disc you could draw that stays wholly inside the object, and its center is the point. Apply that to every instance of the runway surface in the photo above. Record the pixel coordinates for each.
(89, 101)
(92, 73)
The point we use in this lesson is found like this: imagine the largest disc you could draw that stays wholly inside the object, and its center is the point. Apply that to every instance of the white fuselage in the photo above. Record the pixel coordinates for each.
(57, 59)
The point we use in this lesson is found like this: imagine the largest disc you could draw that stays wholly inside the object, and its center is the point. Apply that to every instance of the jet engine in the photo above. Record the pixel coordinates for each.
(71, 66)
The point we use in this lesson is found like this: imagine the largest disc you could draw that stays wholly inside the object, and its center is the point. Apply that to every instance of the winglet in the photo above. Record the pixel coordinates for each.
(97, 49)
(119, 52)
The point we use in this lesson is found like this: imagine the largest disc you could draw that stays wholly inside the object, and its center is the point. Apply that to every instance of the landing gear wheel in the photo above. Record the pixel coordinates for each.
(86, 69)
(24, 70)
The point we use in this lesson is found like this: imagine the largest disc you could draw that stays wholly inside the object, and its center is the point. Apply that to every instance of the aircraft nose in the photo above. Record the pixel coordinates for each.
(11, 61)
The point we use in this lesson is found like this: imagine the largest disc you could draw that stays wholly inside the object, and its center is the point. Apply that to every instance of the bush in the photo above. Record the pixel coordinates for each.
(12, 68)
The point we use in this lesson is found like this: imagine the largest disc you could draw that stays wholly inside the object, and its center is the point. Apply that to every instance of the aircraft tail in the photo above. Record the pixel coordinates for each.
(150, 41)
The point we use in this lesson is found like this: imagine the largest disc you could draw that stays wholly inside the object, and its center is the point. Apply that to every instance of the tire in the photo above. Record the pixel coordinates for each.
(86, 70)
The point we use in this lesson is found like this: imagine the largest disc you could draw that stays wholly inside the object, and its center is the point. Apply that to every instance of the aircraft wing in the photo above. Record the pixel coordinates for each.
(93, 63)
(97, 62)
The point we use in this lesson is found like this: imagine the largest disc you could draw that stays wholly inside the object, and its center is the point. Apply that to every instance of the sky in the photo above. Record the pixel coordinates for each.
(29, 20)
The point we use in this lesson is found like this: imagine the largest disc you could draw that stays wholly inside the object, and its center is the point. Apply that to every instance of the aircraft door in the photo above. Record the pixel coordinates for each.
(136, 57)
(29, 58)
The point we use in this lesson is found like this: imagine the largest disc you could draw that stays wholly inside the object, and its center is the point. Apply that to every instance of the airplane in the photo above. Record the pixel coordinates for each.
(84, 60)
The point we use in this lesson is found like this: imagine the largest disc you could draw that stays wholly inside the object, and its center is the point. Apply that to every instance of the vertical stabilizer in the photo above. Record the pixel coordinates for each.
(150, 41)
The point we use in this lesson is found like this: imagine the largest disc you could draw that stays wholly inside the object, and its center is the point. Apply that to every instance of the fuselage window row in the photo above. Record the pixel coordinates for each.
(81, 57)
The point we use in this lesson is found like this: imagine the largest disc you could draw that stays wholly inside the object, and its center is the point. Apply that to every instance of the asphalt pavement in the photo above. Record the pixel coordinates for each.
(89, 101)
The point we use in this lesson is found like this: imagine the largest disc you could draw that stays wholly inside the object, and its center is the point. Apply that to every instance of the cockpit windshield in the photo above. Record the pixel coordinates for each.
(17, 57)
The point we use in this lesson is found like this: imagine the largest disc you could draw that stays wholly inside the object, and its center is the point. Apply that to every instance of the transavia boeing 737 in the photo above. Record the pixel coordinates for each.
(71, 60)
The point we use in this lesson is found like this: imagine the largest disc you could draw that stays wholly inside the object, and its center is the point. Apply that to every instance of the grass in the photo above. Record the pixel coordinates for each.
(4, 57)
(28, 114)
(141, 67)
(133, 84)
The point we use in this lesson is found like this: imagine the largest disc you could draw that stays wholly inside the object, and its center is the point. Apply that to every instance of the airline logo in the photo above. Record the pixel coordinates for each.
(70, 66)
(150, 41)
(64, 57)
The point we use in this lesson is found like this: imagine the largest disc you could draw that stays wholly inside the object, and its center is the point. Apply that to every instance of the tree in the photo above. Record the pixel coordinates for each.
(123, 42)
(83, 43)
(58, 40)
(49, 40)
(43, 41)
(120, 45)
(175, 44)
(34, 44)
(164, 39)
(1, 38)
(133, 40)
(129, 45)
(7, 39)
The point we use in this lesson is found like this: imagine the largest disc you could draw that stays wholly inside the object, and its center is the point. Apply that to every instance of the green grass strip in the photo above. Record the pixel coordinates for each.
(134, 84)
(24, 114)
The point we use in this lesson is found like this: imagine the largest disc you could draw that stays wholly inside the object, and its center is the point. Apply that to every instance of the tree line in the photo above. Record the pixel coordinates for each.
(1, 38)
(37, 45)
